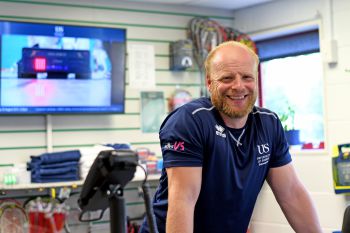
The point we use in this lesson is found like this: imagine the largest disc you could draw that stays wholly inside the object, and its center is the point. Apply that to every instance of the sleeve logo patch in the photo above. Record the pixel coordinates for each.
(176, 146)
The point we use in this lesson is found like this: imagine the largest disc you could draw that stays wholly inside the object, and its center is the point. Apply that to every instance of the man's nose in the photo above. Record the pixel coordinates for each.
(237, 82)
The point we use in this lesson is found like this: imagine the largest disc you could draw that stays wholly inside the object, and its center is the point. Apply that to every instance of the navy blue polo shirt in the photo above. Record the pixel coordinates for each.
(235, 163)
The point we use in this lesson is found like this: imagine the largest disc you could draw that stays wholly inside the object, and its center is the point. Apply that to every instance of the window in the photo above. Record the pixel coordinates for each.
(292, 83)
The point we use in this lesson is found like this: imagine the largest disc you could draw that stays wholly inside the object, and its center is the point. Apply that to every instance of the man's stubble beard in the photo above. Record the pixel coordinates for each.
(221, 104)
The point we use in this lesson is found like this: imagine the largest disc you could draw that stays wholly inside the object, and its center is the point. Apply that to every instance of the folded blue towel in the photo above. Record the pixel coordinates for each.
(56, 171)
(37, 165)
(56, 157)
(118, 146)
(53, 179)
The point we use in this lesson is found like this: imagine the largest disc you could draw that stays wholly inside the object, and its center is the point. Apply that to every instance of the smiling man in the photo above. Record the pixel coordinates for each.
(229, 148)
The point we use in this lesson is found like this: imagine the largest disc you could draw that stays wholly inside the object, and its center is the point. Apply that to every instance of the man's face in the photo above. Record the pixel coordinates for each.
(232, 81)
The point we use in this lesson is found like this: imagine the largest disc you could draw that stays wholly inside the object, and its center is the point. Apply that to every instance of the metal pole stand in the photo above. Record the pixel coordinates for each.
(117, 216)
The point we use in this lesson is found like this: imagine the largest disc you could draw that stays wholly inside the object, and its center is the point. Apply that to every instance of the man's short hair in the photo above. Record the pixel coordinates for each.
(228, 43)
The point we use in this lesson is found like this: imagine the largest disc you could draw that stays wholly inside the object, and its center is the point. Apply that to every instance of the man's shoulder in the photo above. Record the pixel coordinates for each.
(196, 110)
(201, 104)
(264, 113)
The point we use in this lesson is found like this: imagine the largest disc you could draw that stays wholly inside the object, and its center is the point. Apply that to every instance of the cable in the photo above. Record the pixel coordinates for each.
(151, 219)
(205, 35)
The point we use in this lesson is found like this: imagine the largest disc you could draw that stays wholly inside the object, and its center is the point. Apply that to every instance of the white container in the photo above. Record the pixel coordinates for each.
(21, 173)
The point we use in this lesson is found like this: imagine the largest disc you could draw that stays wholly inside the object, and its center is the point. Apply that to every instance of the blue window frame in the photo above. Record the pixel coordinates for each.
(291, 83)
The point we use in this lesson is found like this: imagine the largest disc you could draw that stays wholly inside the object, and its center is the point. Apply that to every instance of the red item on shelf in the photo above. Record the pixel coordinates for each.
(308, 145)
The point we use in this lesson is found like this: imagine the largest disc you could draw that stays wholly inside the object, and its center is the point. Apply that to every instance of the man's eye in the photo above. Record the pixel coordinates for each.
(247, 77)
(226, 79)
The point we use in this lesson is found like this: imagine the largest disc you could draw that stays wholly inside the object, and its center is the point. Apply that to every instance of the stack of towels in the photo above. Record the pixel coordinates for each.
(55, 167)
(88, 155)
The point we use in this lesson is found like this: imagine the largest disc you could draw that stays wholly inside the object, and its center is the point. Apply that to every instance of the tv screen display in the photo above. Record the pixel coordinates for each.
(48, 68)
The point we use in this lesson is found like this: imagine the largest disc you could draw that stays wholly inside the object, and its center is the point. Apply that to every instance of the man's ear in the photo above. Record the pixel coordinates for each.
(208, 81)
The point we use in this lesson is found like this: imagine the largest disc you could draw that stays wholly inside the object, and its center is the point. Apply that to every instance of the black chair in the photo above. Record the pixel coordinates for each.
(346, 221)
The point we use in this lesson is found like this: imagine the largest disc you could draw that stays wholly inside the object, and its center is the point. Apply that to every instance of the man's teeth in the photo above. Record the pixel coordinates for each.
(237, 97)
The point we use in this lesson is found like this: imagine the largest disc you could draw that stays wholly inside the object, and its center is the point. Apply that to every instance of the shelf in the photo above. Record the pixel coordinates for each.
(72, 184)
(46, 189)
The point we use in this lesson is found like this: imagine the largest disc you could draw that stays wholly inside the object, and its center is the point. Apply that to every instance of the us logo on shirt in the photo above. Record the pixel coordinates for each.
(264, 155)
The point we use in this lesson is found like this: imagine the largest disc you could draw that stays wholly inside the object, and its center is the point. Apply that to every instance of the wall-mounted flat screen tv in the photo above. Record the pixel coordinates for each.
(49, 68)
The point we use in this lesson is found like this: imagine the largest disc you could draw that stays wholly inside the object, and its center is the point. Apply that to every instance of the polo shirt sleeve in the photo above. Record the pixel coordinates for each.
(181, 140)
(281, 154)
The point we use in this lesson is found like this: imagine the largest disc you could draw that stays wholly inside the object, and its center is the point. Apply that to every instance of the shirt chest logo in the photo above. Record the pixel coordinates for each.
(263, 148)
(220, 131)
(264, 155)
